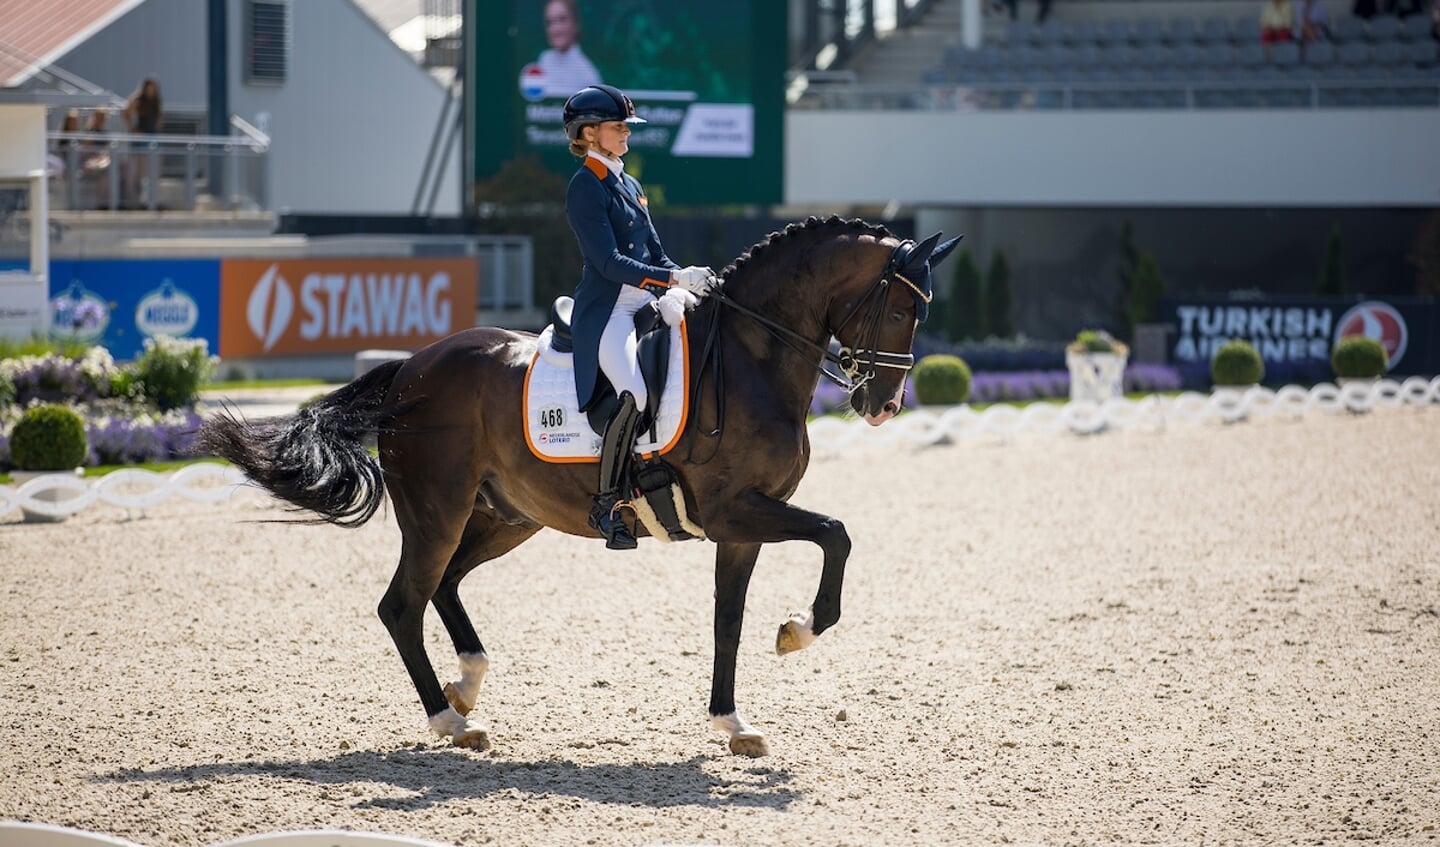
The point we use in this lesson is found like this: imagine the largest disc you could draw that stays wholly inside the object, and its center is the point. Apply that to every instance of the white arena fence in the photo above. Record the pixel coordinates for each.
(60, 495)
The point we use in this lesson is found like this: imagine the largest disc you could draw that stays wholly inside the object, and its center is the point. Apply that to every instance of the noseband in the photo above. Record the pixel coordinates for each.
(857, 364)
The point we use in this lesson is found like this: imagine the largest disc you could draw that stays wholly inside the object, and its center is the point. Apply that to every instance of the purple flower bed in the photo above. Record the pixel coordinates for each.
(120, 439)
(1014, 386)
(125, 441)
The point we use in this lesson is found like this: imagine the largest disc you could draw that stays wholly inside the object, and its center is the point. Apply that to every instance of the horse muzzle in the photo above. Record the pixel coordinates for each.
(875, 407)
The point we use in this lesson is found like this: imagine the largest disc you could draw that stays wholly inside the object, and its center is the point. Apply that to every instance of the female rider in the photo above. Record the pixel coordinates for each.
(625, 269)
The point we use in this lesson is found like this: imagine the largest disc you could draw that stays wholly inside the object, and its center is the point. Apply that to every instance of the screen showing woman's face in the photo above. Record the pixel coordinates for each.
(560, 27)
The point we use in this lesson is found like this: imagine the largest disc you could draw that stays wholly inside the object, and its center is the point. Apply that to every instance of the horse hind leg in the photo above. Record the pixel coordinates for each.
(485, 539)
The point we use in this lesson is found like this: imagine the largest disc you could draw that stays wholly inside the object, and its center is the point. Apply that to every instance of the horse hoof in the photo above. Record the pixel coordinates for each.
(473, 738)
(749, 744)
(795, 634)
(452, 696)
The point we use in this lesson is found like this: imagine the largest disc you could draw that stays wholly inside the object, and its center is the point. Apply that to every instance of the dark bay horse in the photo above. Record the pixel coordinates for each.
(466, 490)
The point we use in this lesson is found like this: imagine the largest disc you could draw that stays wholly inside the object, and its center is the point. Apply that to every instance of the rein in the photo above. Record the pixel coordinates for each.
(846, 359)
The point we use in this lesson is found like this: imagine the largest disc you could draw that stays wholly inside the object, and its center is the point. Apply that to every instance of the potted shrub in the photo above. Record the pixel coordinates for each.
(1235, 368)
(1236, 365)
(1097, 366)
(1358, 360)
(941, 380)
(48, 439)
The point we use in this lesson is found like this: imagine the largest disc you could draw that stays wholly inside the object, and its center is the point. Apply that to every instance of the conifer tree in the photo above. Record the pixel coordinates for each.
(1332, 270)
(967, 303)
(999, 308)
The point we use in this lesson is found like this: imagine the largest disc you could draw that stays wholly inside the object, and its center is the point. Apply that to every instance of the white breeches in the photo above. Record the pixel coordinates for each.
(618, 343)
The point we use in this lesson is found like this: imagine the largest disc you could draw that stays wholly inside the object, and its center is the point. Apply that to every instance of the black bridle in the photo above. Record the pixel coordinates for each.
(858, 364)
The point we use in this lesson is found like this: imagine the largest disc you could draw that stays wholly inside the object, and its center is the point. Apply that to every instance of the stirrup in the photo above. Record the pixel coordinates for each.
(605, 518)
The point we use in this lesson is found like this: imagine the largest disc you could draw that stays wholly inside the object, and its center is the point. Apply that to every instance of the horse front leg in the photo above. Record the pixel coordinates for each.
(734, 563)
(747, 522)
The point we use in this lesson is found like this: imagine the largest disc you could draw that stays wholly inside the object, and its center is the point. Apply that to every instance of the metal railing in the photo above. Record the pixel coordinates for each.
(161, 171)
(1149, 95)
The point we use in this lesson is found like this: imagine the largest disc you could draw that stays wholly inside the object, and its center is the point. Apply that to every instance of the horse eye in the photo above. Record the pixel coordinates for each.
(897, 315)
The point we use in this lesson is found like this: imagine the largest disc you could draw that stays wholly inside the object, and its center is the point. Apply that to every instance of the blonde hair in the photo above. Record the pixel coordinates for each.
(579, 149)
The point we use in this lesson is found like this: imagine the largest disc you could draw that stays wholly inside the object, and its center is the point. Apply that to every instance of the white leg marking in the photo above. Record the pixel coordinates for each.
(473, 667)
(463, 732)
(733, 725)
(797, 633)
(745, 740)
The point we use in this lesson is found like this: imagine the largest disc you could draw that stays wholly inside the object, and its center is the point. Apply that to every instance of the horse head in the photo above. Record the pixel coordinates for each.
(878, 323)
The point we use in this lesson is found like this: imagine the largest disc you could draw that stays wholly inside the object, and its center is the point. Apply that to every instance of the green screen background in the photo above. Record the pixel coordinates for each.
(726, 52)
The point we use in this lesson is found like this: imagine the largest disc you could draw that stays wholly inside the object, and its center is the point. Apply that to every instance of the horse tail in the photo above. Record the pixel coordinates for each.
(316, 459)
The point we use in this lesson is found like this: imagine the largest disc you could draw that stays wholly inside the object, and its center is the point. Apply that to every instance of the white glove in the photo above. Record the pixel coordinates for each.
(694, 279)
(674, 303)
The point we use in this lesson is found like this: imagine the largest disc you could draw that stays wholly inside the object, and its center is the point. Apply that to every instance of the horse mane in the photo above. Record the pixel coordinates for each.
(811, 225)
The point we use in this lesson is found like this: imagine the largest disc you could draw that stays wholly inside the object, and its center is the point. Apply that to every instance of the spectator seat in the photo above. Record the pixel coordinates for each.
(1021, 32)
(1245, 31)
(1383, 28)
(1285, 55)
(1346, 28)
(1214, 31)
(1388, 54)
(1354, 55)
(1181, 31)
(1250, 56)
(1148, 31)
(1082, 31)
(1321, 54)
(1415, 28)
(1050, 32)
(1114, 31)
(1423, 54)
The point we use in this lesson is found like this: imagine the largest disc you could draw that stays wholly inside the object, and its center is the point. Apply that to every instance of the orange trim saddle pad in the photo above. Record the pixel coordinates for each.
(557, 431)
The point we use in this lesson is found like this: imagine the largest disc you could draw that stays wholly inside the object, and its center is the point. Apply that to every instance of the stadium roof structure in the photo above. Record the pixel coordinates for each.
(37, 32)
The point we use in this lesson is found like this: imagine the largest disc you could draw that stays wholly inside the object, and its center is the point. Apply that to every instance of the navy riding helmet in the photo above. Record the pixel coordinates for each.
(597, 104)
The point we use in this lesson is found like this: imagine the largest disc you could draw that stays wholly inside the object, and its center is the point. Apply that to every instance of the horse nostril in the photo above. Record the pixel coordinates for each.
(892, 407)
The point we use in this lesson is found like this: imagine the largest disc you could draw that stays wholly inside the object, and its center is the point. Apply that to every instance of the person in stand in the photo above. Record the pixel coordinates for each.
(142, 116)
(625, 269)
(1277, 23)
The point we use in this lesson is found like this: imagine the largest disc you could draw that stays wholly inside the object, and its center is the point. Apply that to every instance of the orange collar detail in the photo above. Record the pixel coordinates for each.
(597, 167)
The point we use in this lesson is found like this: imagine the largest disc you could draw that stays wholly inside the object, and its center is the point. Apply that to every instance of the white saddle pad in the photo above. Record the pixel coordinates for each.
(557, 431)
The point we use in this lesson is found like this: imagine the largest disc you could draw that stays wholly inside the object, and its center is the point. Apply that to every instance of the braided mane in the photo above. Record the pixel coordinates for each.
(791, 231)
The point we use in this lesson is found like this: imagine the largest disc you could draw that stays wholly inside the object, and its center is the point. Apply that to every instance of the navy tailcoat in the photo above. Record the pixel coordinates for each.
(621, 247)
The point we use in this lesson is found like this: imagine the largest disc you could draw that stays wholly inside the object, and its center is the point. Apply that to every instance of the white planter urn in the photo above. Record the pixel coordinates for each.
(1096, 377)
(52, 487)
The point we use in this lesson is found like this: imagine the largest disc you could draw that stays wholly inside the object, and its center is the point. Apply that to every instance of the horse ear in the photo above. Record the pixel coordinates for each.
(944, 250)
(916, 256)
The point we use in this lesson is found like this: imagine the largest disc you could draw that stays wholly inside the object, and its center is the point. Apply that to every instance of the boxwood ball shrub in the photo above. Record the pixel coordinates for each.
(1358, 357)
(941, 380)
(48, 437)
(1236, 363)
(1091, 341)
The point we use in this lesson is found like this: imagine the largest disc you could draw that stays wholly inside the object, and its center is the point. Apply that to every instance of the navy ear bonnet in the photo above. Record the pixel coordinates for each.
(913, 262)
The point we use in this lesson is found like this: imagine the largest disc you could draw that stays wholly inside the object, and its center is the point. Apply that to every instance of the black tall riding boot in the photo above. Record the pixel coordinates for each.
(615, 449)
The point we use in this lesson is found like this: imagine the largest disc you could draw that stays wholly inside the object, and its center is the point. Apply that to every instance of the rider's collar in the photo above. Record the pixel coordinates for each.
(616, 166)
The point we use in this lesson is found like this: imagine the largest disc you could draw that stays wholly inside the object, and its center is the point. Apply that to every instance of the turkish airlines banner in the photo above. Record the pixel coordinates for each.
(1300, 330)
(288, 307)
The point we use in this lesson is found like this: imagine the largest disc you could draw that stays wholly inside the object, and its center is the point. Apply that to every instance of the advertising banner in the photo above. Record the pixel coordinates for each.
(707, 77)
(118, 303)
(313, 306)
(1298, 333)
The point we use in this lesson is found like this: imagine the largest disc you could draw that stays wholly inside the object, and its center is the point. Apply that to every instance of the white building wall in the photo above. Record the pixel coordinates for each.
(351, 124)
(1281, 158)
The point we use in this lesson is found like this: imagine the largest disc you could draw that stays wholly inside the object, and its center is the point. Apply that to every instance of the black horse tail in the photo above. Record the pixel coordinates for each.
(315, 459)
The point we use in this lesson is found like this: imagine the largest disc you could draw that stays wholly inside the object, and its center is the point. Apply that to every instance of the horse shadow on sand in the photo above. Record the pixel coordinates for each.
(437, 776)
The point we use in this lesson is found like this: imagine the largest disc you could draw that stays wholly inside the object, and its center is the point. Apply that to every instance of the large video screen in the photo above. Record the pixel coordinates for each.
(708, 77)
